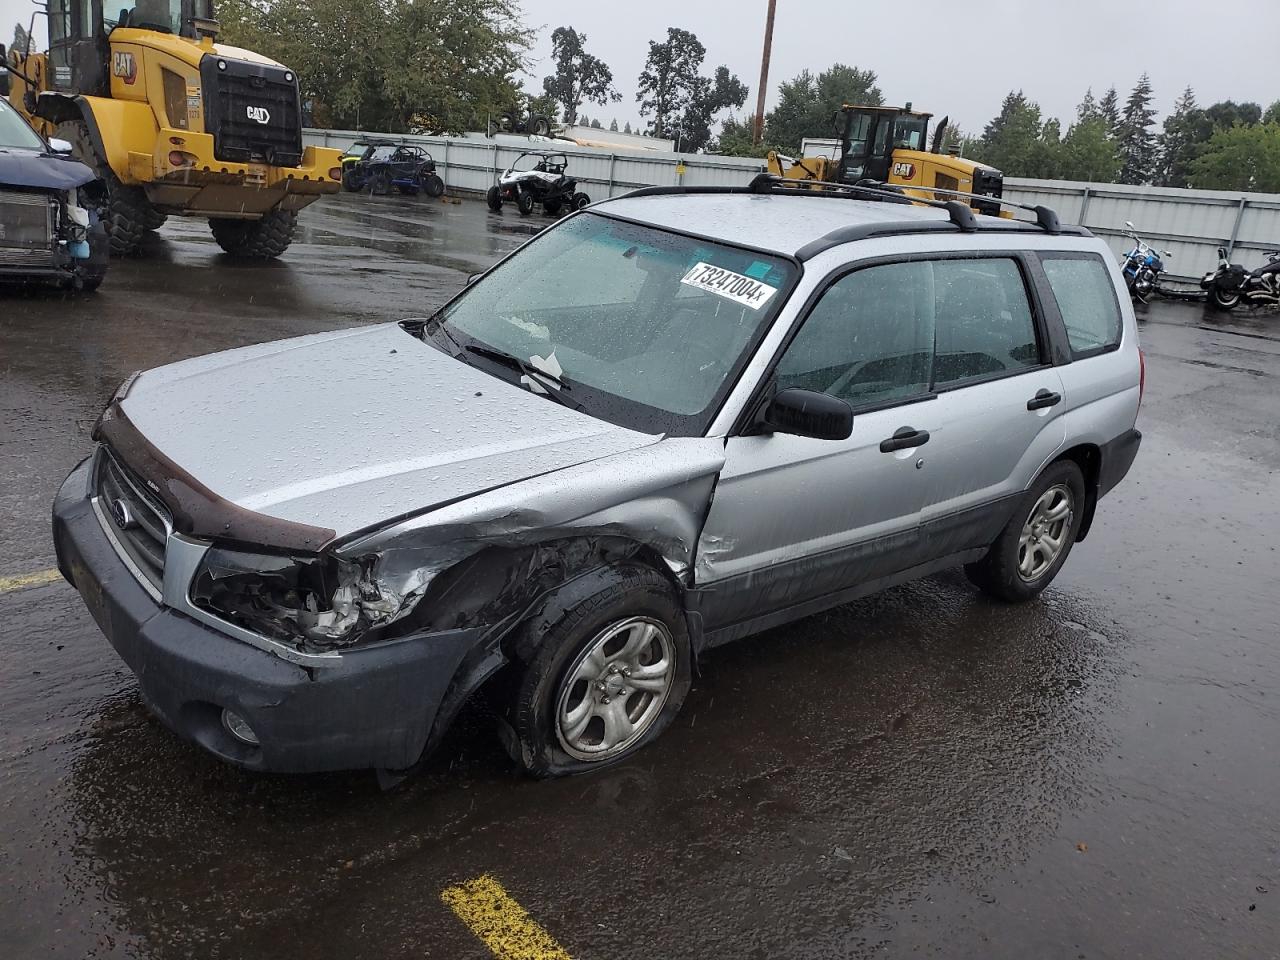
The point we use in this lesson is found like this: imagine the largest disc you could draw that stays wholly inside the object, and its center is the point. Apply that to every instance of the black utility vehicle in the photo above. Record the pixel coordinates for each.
(384, 166)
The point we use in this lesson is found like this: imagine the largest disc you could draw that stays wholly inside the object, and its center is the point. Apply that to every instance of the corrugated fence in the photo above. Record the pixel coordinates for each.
(1190, 224)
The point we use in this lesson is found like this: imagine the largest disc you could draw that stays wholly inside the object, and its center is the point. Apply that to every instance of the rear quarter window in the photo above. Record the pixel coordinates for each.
(1087, 300)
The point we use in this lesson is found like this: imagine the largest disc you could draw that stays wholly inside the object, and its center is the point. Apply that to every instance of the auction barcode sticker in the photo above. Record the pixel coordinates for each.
(733, 286)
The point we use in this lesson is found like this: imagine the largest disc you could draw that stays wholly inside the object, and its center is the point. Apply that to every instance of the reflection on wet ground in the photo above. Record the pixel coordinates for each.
(923, 771)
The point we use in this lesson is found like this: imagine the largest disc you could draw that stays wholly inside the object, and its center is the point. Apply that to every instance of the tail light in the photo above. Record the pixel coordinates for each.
(1142, 375)
(178, 158)
(335, 173)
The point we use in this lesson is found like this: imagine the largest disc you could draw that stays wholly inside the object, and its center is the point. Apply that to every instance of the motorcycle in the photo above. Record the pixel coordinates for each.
(1142, 266)
(1231, 284)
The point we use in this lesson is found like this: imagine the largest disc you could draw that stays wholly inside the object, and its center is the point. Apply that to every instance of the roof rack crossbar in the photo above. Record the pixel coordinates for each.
(960, 214)
(1046, 217)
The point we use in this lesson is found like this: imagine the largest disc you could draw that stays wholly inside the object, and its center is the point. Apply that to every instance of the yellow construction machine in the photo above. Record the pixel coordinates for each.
(889, 145)
(173, 122)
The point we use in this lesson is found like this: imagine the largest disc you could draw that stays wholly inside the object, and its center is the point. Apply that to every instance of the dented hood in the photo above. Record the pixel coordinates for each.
(41, 171)
(348, 430)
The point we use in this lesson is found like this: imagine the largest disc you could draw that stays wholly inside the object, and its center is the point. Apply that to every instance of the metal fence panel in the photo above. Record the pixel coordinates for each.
(1190, 224)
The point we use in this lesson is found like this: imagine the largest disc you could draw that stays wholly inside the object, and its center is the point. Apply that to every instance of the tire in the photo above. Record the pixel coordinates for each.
(380, 183)
(261, 239)
(494, 199)
(433, 185)
(352, 181)
(524, 203)
(1005, 572)
(127, 210)
(580, 200)
(551, 208)
(623, 605)
(1223, 300)
(540, 127)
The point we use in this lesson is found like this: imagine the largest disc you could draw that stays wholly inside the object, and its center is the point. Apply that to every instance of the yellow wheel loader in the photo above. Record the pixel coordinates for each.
(888, 145)
(173, 122)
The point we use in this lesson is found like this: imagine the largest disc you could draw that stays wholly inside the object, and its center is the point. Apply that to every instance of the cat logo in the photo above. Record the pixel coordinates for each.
(904, 170)
(259, 114)
(124, 66)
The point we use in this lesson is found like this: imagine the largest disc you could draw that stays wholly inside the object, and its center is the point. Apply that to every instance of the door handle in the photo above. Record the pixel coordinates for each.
(1044, 398)
(904, 438)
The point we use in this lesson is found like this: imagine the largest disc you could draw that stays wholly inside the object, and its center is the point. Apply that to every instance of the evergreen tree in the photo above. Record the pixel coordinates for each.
(1181, 141)
(1138, 145)
(626, 127)
(1010, 141)
(1088, 109)
(1109, 109)
(613, 125)
(1089, 152)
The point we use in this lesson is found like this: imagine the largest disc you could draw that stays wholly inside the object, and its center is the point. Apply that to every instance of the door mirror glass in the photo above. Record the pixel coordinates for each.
(57, 145)
(807, 413)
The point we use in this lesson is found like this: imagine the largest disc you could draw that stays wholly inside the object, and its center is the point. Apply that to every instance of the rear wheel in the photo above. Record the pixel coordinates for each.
(352, 181)
(551, 207)
(494, 199)
(260, 239)
(127, 214)
(433, 185)
(1038, 538)
(580, 200)
(1223, 300)
(524, 203)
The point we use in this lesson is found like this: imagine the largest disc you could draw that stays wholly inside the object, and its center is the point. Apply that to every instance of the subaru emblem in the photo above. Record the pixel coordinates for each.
(122, 515)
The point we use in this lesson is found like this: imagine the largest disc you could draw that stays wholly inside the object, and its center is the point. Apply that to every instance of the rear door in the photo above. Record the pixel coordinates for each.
(998, 417)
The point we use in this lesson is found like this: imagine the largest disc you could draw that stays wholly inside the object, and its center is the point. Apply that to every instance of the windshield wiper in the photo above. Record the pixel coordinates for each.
(532, 373)
(515, 363)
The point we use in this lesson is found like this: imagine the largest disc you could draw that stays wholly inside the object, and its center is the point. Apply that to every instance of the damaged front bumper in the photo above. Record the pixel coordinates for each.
(369, 707)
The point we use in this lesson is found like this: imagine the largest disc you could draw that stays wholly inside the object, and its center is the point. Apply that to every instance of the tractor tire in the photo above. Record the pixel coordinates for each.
(262, 239)
(494, 199)
(433, 185)
(524, 203)
(540, 127)
(127, 212)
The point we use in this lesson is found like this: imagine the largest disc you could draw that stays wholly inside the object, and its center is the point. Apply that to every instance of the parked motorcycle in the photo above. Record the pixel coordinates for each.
(1231, 284)
(1142, 266)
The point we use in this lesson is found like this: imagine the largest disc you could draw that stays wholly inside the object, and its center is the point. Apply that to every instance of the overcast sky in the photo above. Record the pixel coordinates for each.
(1051, 49)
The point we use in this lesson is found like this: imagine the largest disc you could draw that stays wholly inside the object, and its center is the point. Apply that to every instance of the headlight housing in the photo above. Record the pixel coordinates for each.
(314, 602)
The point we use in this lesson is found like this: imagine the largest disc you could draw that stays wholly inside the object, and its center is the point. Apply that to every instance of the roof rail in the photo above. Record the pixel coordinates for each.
(1046, 217)
(960, 213)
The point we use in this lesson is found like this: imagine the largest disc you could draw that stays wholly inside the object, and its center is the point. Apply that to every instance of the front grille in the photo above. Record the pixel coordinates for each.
(139, 526)
(252, 111)
(26, 227)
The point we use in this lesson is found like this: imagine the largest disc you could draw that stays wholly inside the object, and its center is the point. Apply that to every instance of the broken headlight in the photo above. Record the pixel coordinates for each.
(320, 603)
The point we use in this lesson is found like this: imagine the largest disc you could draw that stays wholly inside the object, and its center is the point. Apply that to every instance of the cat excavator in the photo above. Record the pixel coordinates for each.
(172, 121)
(888, 145)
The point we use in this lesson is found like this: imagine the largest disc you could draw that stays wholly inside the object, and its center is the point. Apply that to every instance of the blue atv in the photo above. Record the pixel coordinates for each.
(405, 168)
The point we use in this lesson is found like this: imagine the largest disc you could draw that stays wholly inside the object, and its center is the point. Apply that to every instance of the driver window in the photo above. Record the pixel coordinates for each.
(869, 340)
(59, 21)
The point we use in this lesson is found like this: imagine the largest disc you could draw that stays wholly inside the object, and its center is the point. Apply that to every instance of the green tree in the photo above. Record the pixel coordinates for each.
(1088, 109)
(1273, 113)
(626, 127)
(613, 125)
(1046, 160)
(1181, 140)
(722, 92)
(1241, 158)
(578, 75)
(807, 103)
(670, 79)
(1089, 151)
(21, 43)
(1010, 141)
(737, 139)
(1109, 109)
(1227, 113)
(1138, 144)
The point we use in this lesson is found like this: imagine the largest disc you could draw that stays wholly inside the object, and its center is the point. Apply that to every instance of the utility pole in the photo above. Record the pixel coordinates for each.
(764, 73)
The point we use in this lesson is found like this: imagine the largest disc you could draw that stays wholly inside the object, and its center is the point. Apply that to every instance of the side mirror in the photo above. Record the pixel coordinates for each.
(57, 145)
(807, 413)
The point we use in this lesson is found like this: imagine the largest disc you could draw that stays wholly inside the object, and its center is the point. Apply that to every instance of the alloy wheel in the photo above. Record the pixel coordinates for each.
(1044, 535)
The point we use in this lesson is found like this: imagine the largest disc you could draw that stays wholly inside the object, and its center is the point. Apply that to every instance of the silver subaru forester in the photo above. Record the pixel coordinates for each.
(669, 421)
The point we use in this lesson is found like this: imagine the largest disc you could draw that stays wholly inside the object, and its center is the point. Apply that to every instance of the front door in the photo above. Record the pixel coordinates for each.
(795, 519)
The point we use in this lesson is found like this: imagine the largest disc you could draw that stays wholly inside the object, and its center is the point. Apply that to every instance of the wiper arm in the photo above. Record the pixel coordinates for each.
(515, 363)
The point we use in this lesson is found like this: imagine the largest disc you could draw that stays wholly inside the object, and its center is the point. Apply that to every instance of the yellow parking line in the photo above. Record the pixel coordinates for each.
(38, 579)
(502, 924)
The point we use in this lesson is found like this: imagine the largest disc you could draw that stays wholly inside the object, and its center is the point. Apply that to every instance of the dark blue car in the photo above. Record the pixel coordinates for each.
(50, 228)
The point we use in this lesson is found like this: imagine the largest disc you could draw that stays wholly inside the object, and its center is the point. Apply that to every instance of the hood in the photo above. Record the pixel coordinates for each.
(348, 430)
(41, 171)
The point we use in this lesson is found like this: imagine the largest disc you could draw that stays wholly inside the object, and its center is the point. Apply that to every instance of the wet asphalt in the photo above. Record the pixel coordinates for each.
(922, 773)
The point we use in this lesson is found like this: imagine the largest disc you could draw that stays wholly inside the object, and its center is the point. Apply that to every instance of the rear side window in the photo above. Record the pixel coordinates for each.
(984, 321)
(1087, 298)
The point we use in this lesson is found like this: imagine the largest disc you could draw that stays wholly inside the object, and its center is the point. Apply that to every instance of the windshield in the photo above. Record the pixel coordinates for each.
(167, 16)
(647, 329)
(14, 131)
(383, 152)
(909, 133)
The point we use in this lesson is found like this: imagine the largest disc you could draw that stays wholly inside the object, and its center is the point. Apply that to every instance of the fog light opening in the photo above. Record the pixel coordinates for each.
(239, 728)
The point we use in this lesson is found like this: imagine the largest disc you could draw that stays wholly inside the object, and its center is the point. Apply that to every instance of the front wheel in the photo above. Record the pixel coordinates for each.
(580, 200)
(352, 182)
(433, 185)
(1037, 539)
(127, 214)
(261, 239)
(524, 203)
(609, 675)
